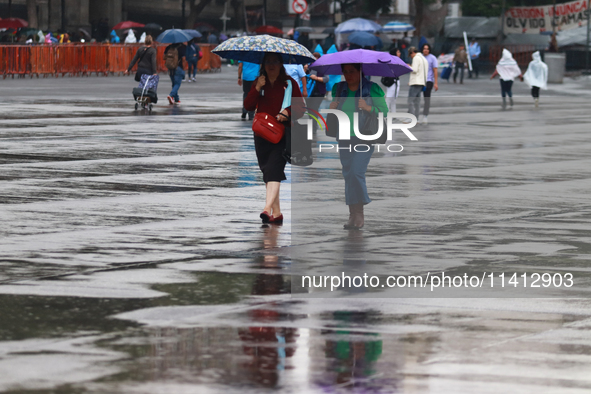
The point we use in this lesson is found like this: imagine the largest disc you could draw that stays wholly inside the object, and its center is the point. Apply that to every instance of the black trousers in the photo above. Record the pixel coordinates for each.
(535, 92)
(475, 67)
(506, 88)
(427, 95)
(460, 68)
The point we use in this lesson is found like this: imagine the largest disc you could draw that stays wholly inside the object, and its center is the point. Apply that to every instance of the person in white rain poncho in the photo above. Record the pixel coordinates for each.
(130, 39)
(143, 38)
(507, 69)
(536, 76)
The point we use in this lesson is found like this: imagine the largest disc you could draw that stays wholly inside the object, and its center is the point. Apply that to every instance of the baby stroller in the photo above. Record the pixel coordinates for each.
(145, 94)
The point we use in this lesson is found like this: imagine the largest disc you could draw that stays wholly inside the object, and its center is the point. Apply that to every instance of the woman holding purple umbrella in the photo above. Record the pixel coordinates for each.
(354, 94)
(358, 95)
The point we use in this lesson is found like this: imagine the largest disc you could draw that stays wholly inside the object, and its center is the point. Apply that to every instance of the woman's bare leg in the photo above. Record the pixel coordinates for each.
(272, 201)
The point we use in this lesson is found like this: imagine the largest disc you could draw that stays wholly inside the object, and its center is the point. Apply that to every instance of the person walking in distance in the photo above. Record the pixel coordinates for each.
(247, 73)
(431, 80)
(173, 60)
(536, 76)
(417, 81)
(193, 54)
(460, 59)
(507, 69)
(474, 50)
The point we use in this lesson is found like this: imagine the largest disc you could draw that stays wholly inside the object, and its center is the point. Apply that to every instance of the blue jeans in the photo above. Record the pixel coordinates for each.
(192, 67)
(177, 79)
(354, 169)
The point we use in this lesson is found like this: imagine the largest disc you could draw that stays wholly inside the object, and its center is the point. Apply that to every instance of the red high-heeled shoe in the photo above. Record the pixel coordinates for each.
(276, 220)
(266, 216)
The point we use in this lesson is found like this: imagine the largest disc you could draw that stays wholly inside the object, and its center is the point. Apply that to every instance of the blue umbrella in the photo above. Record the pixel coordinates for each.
(193, 33)
(357, 24)
(173, 36)
(398, 27)
(363, 39)
(252, 49)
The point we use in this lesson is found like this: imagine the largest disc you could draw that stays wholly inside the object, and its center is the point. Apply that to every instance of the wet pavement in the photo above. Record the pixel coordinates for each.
(133, 259)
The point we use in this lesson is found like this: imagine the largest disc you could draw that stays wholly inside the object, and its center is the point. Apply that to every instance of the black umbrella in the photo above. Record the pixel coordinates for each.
(153, 26)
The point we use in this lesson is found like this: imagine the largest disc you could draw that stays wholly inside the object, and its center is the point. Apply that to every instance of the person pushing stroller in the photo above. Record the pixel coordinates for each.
(147, 71)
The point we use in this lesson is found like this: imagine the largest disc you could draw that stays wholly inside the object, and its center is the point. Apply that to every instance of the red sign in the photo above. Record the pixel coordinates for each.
(299, 6)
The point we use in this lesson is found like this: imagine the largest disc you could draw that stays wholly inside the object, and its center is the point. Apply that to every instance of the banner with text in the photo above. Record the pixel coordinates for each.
(540, 19)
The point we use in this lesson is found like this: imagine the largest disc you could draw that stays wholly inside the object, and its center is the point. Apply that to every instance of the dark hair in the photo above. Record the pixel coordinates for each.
(356, 65)
(394, 50)
(282, 73)
(428, 46)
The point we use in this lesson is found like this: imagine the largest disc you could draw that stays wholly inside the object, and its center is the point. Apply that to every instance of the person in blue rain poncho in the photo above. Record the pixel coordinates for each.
(115, 38)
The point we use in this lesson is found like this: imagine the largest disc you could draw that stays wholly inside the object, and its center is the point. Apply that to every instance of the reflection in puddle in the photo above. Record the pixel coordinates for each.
(264, 347)
(351, 363)
(267, 347)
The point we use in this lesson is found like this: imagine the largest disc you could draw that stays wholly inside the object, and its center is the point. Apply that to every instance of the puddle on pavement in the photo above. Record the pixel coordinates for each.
(257, 352)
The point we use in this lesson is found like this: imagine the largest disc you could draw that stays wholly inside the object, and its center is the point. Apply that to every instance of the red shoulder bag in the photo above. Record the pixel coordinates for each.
(267, 127)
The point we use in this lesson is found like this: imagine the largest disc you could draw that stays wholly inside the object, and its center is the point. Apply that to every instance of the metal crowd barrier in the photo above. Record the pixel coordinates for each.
(84, 59)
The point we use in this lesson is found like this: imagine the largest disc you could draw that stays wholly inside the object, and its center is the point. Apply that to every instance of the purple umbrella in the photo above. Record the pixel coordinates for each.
(372, 63)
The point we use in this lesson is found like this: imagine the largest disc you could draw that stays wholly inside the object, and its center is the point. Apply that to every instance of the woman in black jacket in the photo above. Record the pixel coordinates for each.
(147, 59)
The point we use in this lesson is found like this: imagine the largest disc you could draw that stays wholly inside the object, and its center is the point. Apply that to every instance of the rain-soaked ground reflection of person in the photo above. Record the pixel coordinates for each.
(268, 346)
(352, 356)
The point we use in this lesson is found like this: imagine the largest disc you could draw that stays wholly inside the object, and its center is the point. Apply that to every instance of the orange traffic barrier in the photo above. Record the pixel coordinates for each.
(160, 58)
(118, 58)
(68, 60)
(42, 60)
(84, 59)
(210, 62)
(94, 59)
(15, 60)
